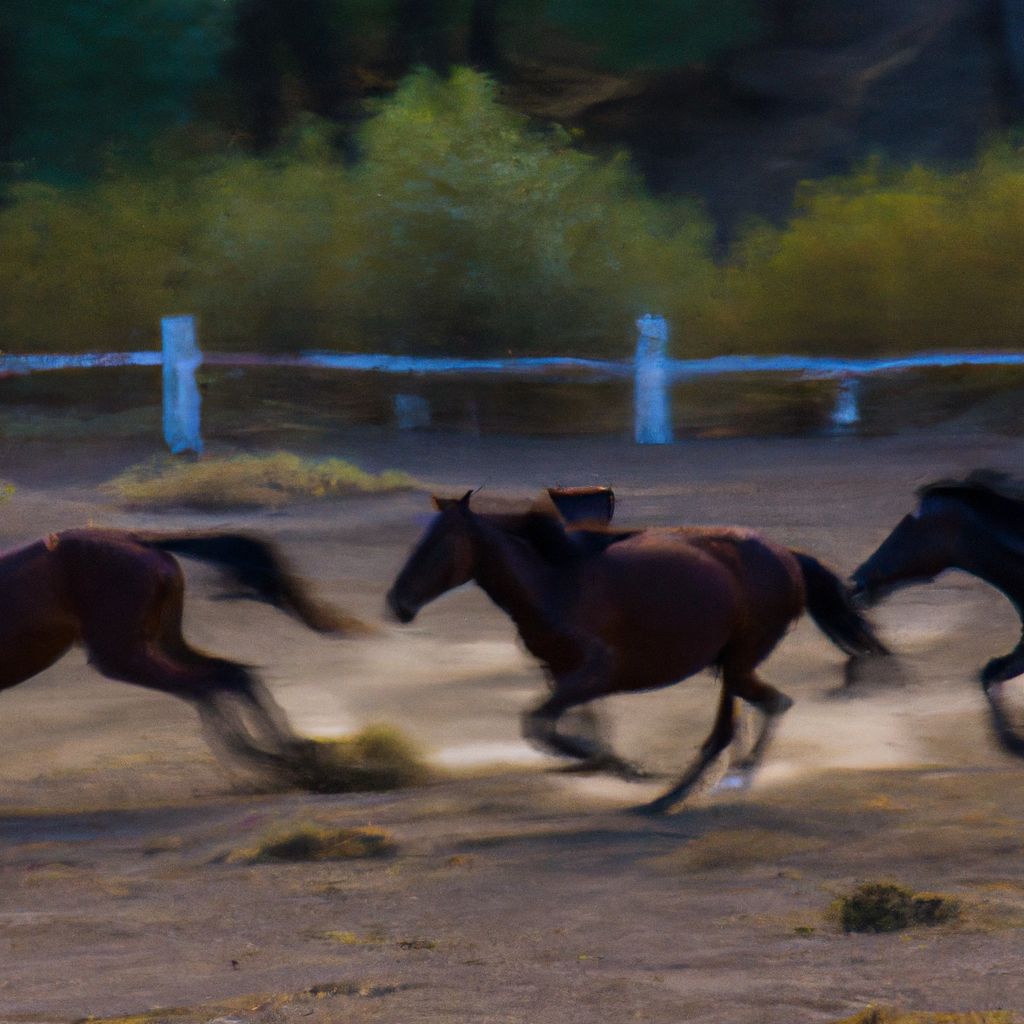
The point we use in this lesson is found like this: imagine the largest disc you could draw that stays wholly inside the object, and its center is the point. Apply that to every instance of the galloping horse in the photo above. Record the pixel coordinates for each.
(975, 525)
(611, 611)
(120, 594)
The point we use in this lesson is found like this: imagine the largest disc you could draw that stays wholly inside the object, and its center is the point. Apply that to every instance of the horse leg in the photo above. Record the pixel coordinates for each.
(770, 702)
(268, 717)
(540, 726)
(722, 732)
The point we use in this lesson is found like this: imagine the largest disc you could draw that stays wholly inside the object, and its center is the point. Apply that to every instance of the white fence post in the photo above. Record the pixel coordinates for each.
(652, 414)
(846, 412)
(181, 393)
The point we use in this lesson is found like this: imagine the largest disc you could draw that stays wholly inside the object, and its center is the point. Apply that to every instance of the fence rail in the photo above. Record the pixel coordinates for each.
(651, 370)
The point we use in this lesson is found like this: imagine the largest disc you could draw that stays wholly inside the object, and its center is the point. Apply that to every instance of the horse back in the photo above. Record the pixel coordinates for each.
(33, 602)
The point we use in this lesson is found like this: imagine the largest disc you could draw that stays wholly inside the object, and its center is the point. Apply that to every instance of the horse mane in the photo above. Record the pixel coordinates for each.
(982, 482)
(991, 493)
(547, 534)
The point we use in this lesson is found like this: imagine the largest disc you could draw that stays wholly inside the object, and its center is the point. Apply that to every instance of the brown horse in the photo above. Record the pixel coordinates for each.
(120, 595)
(975, 525)
(612, 611)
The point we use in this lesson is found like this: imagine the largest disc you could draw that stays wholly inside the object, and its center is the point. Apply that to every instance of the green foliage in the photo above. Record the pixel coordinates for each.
(463, 229)
(884, 262)
(92, 268)
(489, 235)
(656, 36)
(94, 76)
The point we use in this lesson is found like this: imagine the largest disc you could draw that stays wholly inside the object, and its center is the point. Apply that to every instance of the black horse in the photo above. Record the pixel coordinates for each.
(975, 525)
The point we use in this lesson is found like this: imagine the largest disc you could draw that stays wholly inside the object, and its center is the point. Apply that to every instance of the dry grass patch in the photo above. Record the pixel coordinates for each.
(247, 481)
(378, 758)
(887, 907)
(308, 841)
(881, 1015)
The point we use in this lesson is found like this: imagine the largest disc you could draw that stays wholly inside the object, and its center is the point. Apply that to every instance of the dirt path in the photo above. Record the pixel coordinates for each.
(517, 894)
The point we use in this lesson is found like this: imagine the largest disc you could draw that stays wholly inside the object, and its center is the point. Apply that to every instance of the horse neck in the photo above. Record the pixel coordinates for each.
(515, 577)
(994, 555)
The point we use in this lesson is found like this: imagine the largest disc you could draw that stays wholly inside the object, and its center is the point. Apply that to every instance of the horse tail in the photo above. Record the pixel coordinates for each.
(258, 567)
(833, 612)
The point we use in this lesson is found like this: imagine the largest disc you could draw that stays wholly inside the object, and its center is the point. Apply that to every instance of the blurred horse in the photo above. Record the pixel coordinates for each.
(120, 595)
(975, 525)
(612, 611)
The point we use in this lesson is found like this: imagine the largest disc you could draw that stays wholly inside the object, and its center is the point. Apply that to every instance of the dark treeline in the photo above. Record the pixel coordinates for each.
(88, 83)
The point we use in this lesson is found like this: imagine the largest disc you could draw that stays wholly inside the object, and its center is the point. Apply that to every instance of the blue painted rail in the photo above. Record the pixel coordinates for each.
(651, 370)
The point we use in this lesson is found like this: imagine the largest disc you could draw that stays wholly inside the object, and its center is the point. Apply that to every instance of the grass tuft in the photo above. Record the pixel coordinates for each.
(886, 907)
(882, 1015)
(311, 842)
(247, 481)
(375, 759)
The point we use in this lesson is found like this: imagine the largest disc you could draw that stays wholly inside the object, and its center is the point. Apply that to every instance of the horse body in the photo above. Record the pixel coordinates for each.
(121, 596)
(622, 611)
(974, 526)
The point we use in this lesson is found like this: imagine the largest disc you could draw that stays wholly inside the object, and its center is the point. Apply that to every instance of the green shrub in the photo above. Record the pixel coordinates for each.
(881, 262)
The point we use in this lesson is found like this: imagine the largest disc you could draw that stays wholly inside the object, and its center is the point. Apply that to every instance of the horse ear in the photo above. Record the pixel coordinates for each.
(445, 503)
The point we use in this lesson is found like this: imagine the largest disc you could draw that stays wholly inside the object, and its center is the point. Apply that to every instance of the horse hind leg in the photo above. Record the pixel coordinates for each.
(772, 704)
(234, 683)
(721, 736)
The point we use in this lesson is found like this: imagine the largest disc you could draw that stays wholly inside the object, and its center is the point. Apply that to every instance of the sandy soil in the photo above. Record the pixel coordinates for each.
(517, 893)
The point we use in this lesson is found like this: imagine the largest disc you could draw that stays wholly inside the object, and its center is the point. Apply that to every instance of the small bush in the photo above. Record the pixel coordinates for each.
(886, 907)
(310, 842)
(255, 481)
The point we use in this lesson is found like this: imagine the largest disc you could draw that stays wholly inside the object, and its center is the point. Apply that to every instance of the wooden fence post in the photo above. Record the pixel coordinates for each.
(181, 393)
(846, 412)
(652, 413)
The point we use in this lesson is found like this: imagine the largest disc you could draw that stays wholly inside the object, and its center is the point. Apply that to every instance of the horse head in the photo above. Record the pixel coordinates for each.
(442, 560)
(917, 550)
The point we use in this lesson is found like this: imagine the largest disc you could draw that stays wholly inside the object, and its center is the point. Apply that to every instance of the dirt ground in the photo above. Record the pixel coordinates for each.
(516, 893)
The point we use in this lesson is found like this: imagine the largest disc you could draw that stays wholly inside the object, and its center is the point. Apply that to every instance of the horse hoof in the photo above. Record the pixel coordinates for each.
(737, 780)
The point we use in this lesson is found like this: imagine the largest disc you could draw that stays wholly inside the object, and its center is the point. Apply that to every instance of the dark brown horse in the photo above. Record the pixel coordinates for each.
(120, 595)
(975, 525)
(613, 611)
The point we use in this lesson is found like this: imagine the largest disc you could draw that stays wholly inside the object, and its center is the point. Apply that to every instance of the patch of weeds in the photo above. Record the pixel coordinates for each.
(883, 1015)
(247, 481)
(803, 930)
(887, 907)
(309, 842)
(354, 939)
(378, 758)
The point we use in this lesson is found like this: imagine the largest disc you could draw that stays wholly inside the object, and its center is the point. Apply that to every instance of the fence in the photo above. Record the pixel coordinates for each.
(651, 370)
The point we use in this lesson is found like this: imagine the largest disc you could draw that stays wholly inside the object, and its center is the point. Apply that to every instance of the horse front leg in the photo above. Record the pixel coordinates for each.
(993, 676)
(572, 689)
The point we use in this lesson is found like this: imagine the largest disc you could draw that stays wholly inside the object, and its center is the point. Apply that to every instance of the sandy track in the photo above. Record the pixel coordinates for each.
(519, 894)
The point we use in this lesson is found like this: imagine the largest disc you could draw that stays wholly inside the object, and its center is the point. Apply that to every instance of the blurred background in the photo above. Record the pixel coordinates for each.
(516, 177)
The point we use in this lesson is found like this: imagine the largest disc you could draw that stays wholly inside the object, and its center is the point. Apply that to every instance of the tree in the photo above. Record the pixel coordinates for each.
(95, 78)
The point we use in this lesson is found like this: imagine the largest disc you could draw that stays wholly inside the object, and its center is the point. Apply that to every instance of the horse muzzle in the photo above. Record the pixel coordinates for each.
(405, 613)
